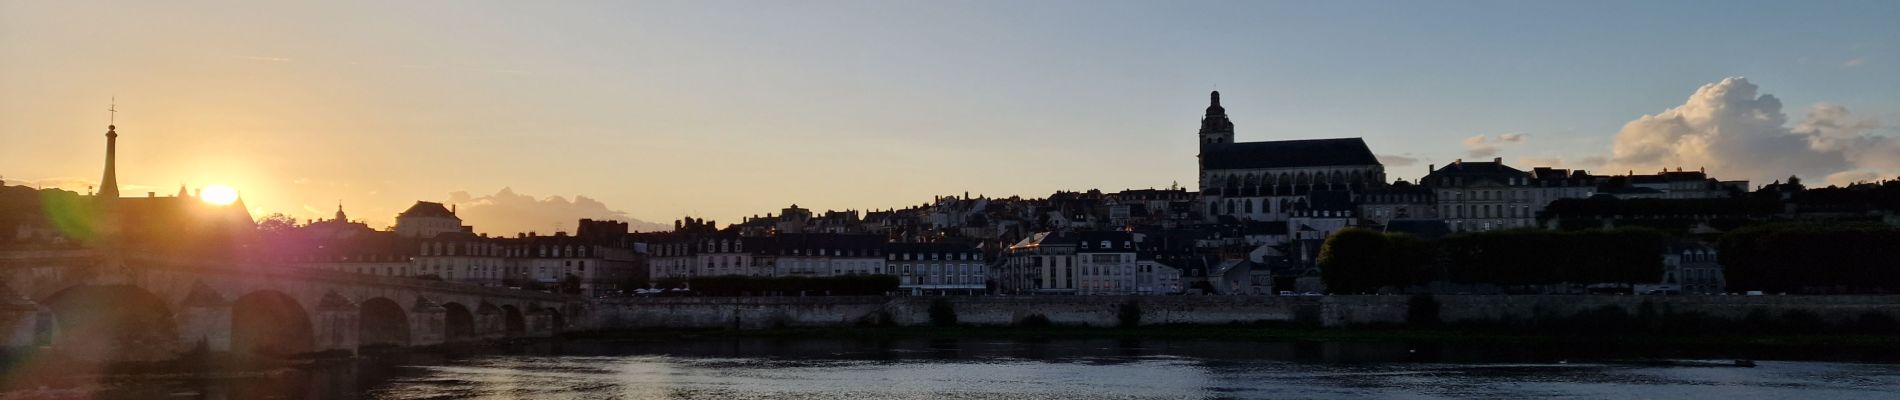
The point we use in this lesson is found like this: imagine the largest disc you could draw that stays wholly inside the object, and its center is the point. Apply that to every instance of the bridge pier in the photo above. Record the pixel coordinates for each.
(336, 323)
(489, 322)
(204, 320)
(426, 322)
(20, 323)
(541, 323)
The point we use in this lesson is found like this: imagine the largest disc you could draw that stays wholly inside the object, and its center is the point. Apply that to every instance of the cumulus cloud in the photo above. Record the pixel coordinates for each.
(1394, 160)
(1484, 146)
(507, 212)
(1738, 133)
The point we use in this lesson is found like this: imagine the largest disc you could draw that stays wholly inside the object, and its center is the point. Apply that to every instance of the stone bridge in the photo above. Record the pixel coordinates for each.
(98, 306)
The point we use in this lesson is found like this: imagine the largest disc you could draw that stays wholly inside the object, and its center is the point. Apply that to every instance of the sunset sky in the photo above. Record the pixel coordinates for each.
(720, 109)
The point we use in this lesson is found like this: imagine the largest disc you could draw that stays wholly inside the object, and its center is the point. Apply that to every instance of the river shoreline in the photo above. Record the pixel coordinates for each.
(1856, 347)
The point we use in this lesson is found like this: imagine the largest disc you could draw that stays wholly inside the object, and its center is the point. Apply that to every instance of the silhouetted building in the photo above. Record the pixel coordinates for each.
(1262, 180)
(427, 219)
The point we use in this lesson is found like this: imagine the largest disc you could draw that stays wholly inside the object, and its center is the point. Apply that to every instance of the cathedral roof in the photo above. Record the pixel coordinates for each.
(1289, 154)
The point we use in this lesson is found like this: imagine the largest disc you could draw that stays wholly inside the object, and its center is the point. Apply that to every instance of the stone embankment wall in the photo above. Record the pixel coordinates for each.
(767, 312)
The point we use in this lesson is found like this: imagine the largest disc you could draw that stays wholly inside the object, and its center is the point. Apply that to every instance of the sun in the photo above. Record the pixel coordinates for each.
(218, 195)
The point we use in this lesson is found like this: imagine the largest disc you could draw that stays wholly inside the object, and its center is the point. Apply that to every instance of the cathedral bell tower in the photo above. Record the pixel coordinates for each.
(1216, 131)
(1215, 128)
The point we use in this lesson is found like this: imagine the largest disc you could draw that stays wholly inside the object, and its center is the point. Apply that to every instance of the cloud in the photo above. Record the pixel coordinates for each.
(1483, 146)
(1393, 160)
(507, 212)
(1739, 134)
(1533, 162)
(1854, 62)
(1475, 147)
(1850, 177)
(1593, 161)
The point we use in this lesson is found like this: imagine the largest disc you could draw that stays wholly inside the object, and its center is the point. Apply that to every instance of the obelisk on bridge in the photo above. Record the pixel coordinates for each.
(109, 185)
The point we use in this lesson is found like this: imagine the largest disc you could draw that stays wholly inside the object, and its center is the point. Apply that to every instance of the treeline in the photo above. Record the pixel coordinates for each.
(736, 285)
(1363, 261)
(1813, 258)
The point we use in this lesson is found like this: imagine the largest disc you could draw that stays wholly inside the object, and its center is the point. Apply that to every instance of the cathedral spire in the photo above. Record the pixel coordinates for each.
(1215, 126)
(109, 185)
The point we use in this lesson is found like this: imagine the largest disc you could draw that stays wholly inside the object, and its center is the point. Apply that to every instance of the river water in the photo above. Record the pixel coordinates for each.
(751, 368)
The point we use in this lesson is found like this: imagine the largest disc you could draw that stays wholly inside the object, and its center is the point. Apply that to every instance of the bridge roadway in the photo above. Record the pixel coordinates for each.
(96, 305)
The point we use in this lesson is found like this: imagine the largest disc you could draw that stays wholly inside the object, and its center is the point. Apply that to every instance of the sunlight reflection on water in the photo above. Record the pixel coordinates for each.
(1145, 377)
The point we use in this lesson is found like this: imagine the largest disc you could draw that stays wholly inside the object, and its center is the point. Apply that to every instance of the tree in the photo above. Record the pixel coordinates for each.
(1355, 260)
(942, 313)
(571, 284)
(276, 222)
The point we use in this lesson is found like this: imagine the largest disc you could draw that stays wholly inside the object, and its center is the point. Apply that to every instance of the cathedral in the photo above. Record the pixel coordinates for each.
(1280, 179)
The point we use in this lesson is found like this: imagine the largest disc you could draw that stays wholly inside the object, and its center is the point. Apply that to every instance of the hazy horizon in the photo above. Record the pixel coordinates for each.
(719, 110)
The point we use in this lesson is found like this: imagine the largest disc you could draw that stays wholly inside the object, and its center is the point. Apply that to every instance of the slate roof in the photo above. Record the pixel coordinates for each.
(428, 209)
(1289, 154)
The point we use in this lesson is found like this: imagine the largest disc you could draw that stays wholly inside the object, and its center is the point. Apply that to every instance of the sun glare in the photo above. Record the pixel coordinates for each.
(219, 195)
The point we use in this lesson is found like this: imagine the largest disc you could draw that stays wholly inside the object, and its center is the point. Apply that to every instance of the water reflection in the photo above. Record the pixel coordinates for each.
(1015, 369)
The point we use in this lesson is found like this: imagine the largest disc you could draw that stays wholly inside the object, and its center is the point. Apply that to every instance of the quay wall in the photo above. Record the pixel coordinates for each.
(769, 312)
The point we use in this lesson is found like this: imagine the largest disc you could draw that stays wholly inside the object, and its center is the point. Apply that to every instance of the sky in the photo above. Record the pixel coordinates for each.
(533, 113)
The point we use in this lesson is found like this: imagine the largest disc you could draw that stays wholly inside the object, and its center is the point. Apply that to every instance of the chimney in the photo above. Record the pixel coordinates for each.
(1431, 168)
(151, 194)
(451, 209)
(1499, 160)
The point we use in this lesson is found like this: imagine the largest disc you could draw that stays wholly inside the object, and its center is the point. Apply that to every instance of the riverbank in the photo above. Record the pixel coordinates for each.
(1880, 348)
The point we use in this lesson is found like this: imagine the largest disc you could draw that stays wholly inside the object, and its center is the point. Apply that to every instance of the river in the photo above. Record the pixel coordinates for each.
(763, 368)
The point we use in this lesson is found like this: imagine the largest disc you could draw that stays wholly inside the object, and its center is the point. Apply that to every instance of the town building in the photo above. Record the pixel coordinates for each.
(937, 268)
(818, 254)
(1476, 196)
(426, 219)
(1689, 267)
(1042, 263)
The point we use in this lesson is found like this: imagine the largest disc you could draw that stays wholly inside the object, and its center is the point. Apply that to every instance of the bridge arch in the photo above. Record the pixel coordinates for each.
(270, 323)
(117, 322)
(382, 322)
(512, 319)
(458, 323)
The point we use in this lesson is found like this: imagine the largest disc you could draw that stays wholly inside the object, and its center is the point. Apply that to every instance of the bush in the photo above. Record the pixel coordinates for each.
(1876, 322)
(1421, 310)
(942, 313)
(880, 319)
(1129, 314)
(1034, 321)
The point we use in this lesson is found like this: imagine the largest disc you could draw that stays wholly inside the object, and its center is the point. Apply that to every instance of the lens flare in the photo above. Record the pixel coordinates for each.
(219, 195)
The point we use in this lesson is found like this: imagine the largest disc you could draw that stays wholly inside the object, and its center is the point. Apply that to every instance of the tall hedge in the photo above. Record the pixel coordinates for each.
(1540, 257)
(1813, 258)
(1362, 261)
